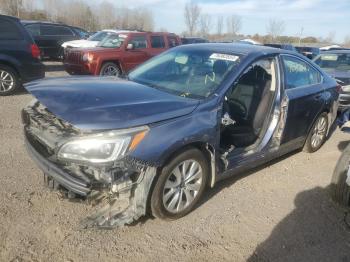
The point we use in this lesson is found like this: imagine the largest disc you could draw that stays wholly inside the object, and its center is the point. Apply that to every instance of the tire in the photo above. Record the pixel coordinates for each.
(317, 133)
(340, 190)
(110, 69)
(9, 81)
(159, 206)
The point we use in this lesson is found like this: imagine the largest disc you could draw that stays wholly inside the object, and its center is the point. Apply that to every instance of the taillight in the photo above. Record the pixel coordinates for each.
(339, 88)
(35, 51)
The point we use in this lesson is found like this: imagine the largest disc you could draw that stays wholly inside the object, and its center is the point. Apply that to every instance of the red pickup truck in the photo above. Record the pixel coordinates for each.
(118, 53)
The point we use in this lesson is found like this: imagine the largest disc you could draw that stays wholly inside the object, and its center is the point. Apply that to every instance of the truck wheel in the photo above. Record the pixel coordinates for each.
(317, 135)
(340, 189)
(110, 69)
(9, 81)
(180, 185)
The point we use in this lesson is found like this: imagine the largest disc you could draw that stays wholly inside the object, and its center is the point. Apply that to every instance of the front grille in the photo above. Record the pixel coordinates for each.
(73, 57)
(40, 147)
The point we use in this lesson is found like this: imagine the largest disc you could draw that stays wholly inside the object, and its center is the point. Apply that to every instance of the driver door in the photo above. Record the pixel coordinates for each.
(138, 53)
(250, 103)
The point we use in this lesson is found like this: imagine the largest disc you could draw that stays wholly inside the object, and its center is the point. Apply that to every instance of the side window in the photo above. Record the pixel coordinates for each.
(9, 31)
(298, 73)
(51, 30)
(157, 41)
(33, 29)
(139, 42)
(172, 40)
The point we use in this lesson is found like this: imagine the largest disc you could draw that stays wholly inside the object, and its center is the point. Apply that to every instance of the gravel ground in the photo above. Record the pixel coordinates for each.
(280, 212)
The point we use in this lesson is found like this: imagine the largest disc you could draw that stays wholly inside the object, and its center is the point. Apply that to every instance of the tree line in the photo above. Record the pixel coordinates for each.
(79, 13)
(213, 27)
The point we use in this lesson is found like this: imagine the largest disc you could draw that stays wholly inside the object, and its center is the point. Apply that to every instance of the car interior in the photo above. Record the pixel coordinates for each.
(248, 105)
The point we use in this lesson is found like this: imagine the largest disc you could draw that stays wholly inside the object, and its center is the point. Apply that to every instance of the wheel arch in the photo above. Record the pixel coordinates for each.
(208, 152)
(11, 65)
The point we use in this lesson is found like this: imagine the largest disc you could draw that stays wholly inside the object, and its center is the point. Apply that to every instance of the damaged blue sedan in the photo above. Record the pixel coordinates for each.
(155, 141)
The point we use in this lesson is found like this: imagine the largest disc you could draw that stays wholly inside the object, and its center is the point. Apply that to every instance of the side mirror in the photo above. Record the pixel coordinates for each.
(130, 47)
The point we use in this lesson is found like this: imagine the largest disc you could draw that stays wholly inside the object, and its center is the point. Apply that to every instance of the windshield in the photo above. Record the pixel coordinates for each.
(190, 73)
(98, 36)
(113, 40)
(339, 62)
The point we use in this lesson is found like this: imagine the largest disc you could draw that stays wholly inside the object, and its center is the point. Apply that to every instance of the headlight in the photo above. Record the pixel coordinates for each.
(87, 57)
(103, 147)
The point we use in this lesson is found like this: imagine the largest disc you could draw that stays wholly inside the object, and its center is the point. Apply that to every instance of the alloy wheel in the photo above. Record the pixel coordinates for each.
(110, 70)
(319, 132)
(182, 186)
(6, 81)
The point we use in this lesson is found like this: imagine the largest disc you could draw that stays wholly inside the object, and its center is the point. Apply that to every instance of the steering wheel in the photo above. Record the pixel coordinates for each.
(238, 108)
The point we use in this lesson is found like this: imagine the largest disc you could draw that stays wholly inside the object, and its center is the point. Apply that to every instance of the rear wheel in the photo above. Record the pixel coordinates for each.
(110, 69)
(317, 135)
(340, 188)
(9, 81)
(180, 185)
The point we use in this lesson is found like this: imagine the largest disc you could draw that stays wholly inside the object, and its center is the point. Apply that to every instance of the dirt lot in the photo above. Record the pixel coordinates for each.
(280, 212)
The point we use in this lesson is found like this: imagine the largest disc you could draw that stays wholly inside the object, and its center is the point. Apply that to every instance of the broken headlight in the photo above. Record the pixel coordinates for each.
(103, 147)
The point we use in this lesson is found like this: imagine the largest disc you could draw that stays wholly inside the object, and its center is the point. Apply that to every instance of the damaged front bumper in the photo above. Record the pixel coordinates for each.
(118, 193)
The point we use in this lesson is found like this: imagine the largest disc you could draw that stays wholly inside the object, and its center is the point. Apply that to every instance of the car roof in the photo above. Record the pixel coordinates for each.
(26, 22)
(9, 17)
(337, 51)
(237, 48)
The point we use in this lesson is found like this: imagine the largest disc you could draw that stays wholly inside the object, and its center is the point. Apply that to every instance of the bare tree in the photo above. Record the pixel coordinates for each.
(11, 7)
(107, 15)
(347, 41)
(220, 25)
(234, 24)
(192, 14)
(205, 25)
(330, 37)
(275, 28)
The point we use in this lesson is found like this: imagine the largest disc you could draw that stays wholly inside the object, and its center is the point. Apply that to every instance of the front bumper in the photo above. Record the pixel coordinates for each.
(80, 187)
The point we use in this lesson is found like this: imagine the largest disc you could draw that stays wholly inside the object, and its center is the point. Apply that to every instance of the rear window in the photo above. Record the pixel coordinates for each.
(340, 62)
(9, 31)
(52, 30)
(157, 41)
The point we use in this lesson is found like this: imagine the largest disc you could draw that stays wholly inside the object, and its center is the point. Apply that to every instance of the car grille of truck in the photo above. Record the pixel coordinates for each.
(74, 57)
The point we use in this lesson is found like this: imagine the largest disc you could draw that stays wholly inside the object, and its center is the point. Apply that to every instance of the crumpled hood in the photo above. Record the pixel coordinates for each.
(80, 43)
(93, 103)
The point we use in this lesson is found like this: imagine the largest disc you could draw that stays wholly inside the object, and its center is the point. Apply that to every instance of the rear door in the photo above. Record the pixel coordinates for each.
(157, 44)
(52, 37)
(138, 54)
(304, 97)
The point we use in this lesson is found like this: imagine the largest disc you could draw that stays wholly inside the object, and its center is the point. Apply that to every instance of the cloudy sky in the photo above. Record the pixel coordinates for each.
(317, 17)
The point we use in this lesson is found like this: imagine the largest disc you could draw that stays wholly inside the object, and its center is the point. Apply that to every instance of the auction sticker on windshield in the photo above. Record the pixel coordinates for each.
(226, 57)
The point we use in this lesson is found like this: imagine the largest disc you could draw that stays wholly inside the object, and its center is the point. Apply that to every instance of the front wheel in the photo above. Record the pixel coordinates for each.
(340, 187)
(9, 82)
(317, 135)
(110, 69)
(180, 185)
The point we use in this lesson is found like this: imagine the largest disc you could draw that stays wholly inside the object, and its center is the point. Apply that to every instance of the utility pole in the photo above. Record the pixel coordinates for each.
(301, 34)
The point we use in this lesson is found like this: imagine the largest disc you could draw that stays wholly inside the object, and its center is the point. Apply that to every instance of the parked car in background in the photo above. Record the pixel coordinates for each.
(118, 53)
(309, 52)
(193, 40)
(282, 46)
(178, 123)
(50, 36)
(19, 56)
(92, 41)
(337, 64)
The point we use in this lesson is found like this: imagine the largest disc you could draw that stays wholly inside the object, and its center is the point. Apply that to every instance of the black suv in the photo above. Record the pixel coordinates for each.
(19, 56)
(50, 36)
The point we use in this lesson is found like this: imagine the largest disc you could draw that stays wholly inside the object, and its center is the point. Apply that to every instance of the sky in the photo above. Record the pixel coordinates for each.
(317, 17)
